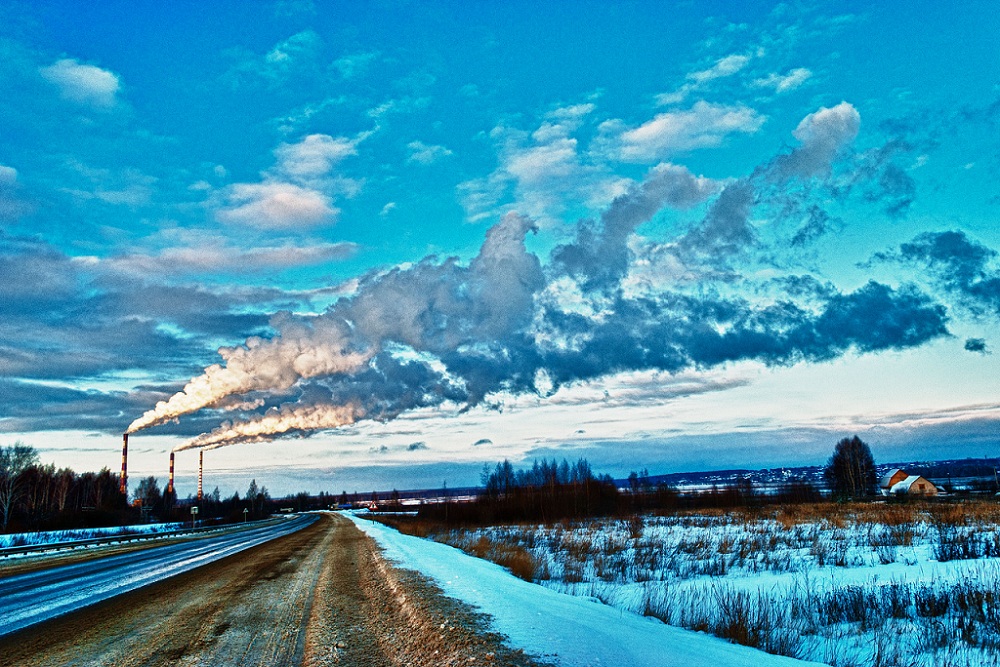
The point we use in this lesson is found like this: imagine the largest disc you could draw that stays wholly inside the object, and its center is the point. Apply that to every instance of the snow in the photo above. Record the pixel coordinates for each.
(59, 536)
(569, 630)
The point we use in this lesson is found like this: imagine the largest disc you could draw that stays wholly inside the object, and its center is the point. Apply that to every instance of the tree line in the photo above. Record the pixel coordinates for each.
(41, 497)
(36, 496)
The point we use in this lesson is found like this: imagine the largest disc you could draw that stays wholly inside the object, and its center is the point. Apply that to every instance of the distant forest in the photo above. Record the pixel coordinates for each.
(36, 497)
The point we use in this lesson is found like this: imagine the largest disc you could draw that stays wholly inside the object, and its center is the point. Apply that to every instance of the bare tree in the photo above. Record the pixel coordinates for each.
(14, 461)
(851, 470)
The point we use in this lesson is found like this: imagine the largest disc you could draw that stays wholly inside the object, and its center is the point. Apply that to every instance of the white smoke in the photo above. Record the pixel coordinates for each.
(271, 365)
(275, 422)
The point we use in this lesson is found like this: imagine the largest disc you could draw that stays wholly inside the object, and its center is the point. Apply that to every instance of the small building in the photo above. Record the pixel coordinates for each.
(914, 485)
(890, 479)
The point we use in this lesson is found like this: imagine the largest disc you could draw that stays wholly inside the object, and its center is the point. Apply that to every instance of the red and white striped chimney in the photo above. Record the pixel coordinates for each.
(170, 480)
(123, 483)
(201, 466)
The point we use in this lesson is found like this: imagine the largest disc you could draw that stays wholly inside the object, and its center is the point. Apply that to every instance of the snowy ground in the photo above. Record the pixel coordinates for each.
(875, 586)
(57, 536)
(566, 629)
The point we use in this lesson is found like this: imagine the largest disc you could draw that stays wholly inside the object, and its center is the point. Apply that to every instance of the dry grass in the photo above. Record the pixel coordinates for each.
(948, 623)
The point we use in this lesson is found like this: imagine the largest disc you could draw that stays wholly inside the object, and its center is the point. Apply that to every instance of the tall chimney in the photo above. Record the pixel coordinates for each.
(123, 484)
(201, 465)
(170, 480)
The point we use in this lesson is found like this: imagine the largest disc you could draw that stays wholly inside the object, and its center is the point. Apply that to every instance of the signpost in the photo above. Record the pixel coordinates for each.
(194, 515)
(245, 512)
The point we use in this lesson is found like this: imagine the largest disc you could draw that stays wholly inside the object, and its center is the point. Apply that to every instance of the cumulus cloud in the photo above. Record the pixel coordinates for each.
(442, 333)
(277, 206)
(297, 192)
(314, 156)
(726, 228)
(600, 255)
(446, 334)
(84, 84)
(822, 135)
(703, 125)
(543, 170)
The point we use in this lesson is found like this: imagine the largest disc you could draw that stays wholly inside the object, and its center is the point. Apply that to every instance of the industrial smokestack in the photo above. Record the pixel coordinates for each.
(201, 466)
(123, 484)
(170, 480)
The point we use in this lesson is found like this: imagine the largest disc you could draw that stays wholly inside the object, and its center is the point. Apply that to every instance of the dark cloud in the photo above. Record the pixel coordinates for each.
(726, 229)
(976, 345)
(416, 446)
(817, 222)
(61, 318)
(880, 179)
(600, 256)
(481, 442)
(676, 332)
(958, 264)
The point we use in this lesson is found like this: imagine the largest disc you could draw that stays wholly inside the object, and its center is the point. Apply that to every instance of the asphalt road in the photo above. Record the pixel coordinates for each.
(34, 597)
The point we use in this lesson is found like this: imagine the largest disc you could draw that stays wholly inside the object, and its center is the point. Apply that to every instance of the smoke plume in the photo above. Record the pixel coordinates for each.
(301, 351)
(440, 332)
(288, 419)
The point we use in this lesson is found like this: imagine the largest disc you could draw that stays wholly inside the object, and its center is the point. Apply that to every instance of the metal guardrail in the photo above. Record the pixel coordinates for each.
(132, 537)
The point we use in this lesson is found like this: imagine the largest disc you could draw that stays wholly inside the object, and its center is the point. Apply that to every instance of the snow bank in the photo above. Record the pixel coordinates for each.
(571, 631)
(58, 536)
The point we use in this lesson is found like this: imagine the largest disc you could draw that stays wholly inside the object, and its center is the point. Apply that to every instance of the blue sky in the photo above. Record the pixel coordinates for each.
(375, 245)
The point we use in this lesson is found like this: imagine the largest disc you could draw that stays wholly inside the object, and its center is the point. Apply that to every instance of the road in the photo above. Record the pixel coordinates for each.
(42, 595)
(322, 595)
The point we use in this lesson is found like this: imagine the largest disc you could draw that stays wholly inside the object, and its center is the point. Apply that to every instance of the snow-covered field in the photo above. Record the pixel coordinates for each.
(569, 630)
(892, 585)
(58, 536)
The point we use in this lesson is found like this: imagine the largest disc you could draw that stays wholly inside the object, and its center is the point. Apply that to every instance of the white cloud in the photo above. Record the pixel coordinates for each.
(823, 134)
(388, 209)
(298, 190)
(314, 156)
(83, 84)
(217, 255)
(276, 205)
(723, 67)
(296, 55)
(554, 160)
(784, 82)
(422, 153)
(573, 112)
(402, 105)
(703, 125)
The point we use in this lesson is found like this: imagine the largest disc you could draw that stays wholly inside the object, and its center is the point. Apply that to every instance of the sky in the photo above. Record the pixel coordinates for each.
(354, 246)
